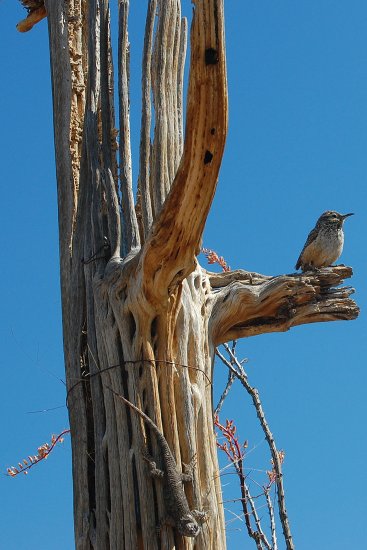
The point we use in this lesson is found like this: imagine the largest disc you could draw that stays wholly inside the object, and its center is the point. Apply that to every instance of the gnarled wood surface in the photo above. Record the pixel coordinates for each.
(248, 304)
(140, 315)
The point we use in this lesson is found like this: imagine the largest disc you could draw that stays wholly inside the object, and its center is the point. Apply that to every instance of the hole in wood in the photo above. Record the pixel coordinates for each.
(136, 494)
(121, 295)
(153, 328)
(208, 157)
(211, 56)
(131, 325)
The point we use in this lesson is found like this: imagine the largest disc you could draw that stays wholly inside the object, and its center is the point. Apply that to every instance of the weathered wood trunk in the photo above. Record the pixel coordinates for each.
(140, 316)
(135, 317)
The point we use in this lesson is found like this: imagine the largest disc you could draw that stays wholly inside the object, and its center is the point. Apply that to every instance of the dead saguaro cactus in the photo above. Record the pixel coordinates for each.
(140, 315)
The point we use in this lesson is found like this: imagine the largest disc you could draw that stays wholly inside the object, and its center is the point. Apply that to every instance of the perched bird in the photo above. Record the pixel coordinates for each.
(324, 243)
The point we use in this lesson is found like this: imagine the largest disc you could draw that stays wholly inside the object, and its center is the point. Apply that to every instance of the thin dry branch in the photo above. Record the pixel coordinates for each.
(239, 372)
(169, 254)
(231, 379)
(261, 535)
(235, 452)
(279, 303)
(272, 518)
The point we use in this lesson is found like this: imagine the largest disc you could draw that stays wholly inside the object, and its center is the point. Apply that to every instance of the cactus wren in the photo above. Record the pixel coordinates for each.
(324, 243)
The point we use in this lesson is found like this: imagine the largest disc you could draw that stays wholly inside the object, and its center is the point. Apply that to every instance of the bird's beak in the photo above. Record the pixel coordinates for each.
(347, 215)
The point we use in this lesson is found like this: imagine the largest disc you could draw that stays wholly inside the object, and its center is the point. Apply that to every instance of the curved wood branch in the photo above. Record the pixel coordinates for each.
(277, 304)
(34, 16)
(169, 253)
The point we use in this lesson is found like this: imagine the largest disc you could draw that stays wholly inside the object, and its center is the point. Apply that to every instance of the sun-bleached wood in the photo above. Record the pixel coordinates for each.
(247, 307)
(141, 316)
(131, 237)
(144, 198)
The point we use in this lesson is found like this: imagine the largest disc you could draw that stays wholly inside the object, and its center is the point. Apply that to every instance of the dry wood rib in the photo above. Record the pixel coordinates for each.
(169, 253)
(131, 238)
(241, 309)
(72, 282)
(144, 193)
(219, 280)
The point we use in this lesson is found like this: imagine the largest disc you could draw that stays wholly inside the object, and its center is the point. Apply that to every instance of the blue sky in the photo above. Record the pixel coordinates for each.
(296, 146)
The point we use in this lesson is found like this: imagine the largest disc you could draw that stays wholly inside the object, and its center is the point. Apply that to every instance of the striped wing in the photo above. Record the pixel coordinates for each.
(311, 237)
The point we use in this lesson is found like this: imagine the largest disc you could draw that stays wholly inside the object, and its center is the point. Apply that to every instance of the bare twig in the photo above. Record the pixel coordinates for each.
(240, 373)
(272, 518)
(257, 519)
(234, 451)
(231, 379)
